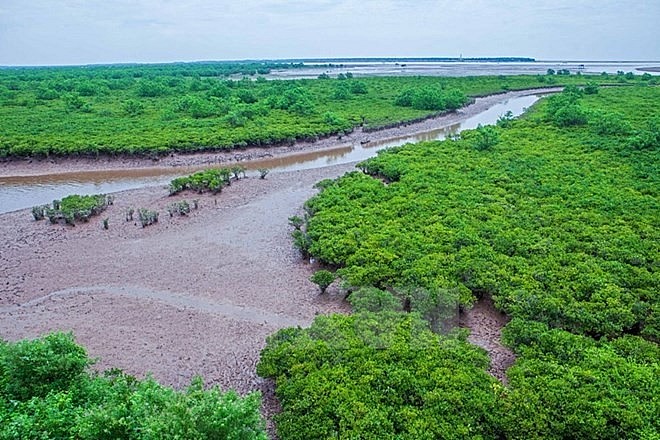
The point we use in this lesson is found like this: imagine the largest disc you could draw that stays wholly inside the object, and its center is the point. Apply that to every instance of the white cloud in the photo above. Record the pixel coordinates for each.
(92, 31)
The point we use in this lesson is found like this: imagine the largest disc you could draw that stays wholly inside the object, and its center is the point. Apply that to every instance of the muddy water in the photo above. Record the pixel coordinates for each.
(27, 191)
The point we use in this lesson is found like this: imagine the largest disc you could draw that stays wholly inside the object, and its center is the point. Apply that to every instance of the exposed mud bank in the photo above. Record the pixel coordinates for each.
(56, 165)
(485, 324)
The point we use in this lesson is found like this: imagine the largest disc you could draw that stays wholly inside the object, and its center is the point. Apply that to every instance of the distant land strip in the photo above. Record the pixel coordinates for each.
(412, 60)
(298, 62)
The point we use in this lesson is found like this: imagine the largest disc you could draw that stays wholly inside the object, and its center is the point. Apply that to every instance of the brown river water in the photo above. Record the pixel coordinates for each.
(20, 192)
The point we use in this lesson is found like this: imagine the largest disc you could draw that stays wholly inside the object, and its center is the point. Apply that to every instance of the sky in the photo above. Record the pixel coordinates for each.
(57, 32)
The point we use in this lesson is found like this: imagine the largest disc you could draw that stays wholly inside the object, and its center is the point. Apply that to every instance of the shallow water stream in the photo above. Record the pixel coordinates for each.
(26, 191)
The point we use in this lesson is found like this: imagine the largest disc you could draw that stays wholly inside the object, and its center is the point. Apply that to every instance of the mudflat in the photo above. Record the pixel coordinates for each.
(189, 295)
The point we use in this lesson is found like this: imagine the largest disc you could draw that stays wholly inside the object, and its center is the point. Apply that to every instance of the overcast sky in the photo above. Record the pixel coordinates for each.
(42, 32)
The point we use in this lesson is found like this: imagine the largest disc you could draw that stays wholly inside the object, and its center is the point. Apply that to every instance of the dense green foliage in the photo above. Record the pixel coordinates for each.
(570, 386)
(207, 180)
(429, 98)
(190, 107)
(558, 224)
(46, 392)
(73, 208)
(322, 278)
(212, 179)
(379, 376)
(380, 373)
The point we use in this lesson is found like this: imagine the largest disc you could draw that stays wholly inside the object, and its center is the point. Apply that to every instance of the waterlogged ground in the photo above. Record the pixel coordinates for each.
(195, 295)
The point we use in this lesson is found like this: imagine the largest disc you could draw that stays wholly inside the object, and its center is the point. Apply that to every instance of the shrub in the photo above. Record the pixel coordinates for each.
(378, 376)
(182, 208)
(530, 223)
(370, 299)
(208, 180)
(35, 368)
(151, 89)
(301, 241)
(429, 98)
(46, 391)
(39, 212)
(564, 109)
(591, 88)
(296, 221)
(358, 88)
(611, 124)
(565, 385)
(237, 171)
(147, 217)
(485, 137)
(571, 115)
(505, 120)
(74, 208)
(133, 107)
(647, 139)
(323, 278)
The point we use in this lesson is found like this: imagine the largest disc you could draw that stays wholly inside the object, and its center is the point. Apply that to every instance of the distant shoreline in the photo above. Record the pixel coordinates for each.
(649, 69)
(314, 62)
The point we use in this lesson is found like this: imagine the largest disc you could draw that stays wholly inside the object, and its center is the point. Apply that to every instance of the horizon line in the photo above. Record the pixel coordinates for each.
(504, 59)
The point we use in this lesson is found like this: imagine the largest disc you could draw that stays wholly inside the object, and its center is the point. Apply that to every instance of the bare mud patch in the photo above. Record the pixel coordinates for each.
(485, 323)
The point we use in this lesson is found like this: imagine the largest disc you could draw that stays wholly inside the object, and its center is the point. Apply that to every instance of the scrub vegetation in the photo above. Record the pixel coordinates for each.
(154, 110)
(47, 390)
(73, 208)
(211, 180)
(554, 216)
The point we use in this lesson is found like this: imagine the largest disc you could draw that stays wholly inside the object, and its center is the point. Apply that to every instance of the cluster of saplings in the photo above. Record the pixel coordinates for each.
(211, 180)
(553, 216)
(48, 391)
(81, 208)
(73, 208)
(153, 111)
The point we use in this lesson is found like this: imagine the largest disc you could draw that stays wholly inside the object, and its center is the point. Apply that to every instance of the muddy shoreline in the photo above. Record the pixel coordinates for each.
(57, 165)
(193, 295)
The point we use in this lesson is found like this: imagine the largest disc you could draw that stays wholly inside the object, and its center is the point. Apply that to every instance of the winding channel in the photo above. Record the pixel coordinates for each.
(20, 192)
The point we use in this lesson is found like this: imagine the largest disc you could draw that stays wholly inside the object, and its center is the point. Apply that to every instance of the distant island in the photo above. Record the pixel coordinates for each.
(412, 60)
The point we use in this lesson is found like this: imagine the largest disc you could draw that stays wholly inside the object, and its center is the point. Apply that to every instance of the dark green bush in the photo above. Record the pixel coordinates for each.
(430, 98)
(569, 386)
(46, 392)
(531, 223)
(213, 180)
(323, 279)
(377, 376)
(35, 368)
(148, 110)
(73, 208)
